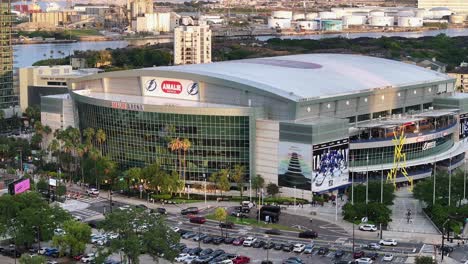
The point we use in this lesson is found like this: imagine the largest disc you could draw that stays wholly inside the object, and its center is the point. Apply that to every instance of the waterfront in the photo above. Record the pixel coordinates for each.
(26, 55)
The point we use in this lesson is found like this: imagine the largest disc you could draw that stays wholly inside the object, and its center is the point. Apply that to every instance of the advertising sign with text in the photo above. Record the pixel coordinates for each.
(171, 88)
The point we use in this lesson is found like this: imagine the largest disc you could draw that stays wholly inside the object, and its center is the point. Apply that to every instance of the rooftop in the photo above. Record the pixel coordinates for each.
(310, 76)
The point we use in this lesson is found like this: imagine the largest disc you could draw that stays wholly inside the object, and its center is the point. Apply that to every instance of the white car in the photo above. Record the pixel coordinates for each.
(92, 191)
(42, 251)
(59, 232)
(88, 258)
(249, 241)
(387, 257)
(175, 229)
(299, 248)
(388, 242)
(373, 246)
(101, 242)
(112, 235)
(189, 259)
(52, 262)
(368, 227)
(226, 261)
(125, 207)
(78, 218)
(182, 257)
(309, 248)
(96, 237)
(364, 260)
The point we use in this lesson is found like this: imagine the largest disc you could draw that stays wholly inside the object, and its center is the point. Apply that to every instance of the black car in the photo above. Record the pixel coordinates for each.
(218, 252)
(161, 210)
(341, 262)
(229, 240)
(203, 259)
(195, 251)
(182, 231)
(229, 225)
(206, 252)
(278, 246)
(141, 206)
(339, 253)
(189, 210)
(308, 234)
(323, 251)
(294, 260)
(373, 255)
(258, 244)
(269, 245)
(447, 249)
(266, 262)
(208, 239)
(273, 232)
(288, 247)
(186, 250)
(218, 240)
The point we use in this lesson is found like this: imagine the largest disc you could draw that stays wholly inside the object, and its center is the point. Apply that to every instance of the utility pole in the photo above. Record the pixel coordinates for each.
(434, 182)
(381, 191)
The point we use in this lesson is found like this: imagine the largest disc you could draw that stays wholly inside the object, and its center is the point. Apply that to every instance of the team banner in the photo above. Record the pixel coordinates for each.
(330, 165)
(171, 88)
(295, 165)
(463, 125)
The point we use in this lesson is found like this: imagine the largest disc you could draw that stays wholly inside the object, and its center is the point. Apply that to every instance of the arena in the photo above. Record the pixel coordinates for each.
(313, 122)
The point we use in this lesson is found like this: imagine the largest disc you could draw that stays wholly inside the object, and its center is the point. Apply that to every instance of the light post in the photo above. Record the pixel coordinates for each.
(464, 180)
(268, 247)
(354, 219)
(381, 191)
(367, 181)
(443, 234)
(352, 183)
(450, 183)
(250, 190)
(434, 182)
(204, 178)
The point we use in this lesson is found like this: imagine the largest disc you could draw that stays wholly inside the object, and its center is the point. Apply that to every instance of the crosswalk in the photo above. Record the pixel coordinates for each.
(91, 200)
(84, 213)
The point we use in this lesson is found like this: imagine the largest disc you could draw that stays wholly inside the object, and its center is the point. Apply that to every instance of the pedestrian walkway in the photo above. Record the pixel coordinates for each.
(408, 215)
(84, 214)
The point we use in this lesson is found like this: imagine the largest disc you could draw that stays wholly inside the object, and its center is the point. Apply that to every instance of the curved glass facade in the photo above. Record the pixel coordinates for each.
(137, 138)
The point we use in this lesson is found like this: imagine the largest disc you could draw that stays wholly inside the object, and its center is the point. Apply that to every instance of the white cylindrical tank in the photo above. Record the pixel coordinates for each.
(298, 16)
(311, 16)
(282, 23)
(381, 21)
(457, 19)
(405, 13)
(354, 20)
(308, 25)
(327, 15)
(377, 13)
(410, 21)
(420, 12)
(164, 22)
(440, 12)
(282, 14)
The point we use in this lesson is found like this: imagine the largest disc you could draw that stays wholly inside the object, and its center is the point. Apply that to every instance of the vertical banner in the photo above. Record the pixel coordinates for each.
(463, 125)
(295, 165)
(330, 165)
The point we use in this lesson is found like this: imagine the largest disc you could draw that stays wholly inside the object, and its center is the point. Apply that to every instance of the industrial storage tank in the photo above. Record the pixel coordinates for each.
(382, 21)
(282, 14)
(420, 12)
(311, 16)
(376, 13)
(354, 20)
(298, 16)
(327, 15)
(282, 23)
(331, 25)
(457, 19)
(307, 25)
(410, 21)
(405, 13)
(440, 12)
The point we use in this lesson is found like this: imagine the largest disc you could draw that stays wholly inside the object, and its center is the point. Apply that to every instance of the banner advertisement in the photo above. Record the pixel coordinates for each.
(463, 125)
(295, 165)
(171, 88)
(19, 186)
(330, 165)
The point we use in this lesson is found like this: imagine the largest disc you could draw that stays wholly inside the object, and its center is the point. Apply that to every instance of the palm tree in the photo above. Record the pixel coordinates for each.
(80, 151)
(101, 138)
(68, 148)
(185, 145)
(54, 146)
(94, 154)
(175, 145)
(88, 134)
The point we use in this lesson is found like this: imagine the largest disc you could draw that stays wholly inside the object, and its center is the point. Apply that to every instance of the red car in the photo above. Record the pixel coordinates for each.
(241, 260)
(358, 254)
(238, 241)
(78, 257)
(198, 220)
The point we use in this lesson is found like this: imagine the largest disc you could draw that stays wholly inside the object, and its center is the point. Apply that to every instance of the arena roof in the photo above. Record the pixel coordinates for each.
(308, 76)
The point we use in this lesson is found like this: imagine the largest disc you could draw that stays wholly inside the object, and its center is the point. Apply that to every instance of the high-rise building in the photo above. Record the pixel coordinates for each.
(457, 6)
(192, 44)
(7, 94)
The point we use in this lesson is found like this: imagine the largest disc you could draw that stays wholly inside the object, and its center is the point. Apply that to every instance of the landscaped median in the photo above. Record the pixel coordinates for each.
(253, 222)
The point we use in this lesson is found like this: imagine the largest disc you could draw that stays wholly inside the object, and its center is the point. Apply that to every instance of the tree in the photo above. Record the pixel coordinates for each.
(74, 240)
(88, 134)
(42, 185)
(101, 137)
(220, 215)
(272, 189)
(61, 190)
(238, 177)
(374, 192)
(185, 146)
(175, 145)
(258, 182)
(33, 113)
(221, 180)
(425, 260)
(28, 259)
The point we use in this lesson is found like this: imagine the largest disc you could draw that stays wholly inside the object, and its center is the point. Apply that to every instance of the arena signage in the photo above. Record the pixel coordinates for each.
(127, 106)
(170, 88)
(429, 145)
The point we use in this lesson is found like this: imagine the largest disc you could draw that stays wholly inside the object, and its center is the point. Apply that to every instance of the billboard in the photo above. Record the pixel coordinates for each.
(295, 165)
(330, 165)
(171, 88)
(463, 126)
(19, 186)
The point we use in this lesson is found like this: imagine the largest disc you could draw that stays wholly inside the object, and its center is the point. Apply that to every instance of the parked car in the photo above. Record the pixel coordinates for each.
(323, 251)
(92, 191)
(339, 253)
(90, 257)
(308, 234)
(388, 242)
(278, 246)
(294, 260)
(269, 245)
(358, 254)
(241, 260)
(208, 239)
(288, 247)
(368, 227)
(189, 210)
(373, 255)
(195, 251)
(218, 240)
(206, 252)
(141, 206)
(387, 257)
(229, 225)
(59, 232)
(258, 244)
(364, 261)
(238, 241)
(52, 252)
(249, 241)
(299, 248)
(199, 237)
(273, 231)
(181, 257)
(198, 220)
(229, 240)
(189, 235)
(373, 246)
(308, 249)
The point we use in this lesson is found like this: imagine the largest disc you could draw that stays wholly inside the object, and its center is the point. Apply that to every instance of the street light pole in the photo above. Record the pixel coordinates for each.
(353, 234)
(381, 191)
(367, 180)
(434, 182)
(464, 180)
(204, 178)
(250, 190)
(352, 185)
(450, 183)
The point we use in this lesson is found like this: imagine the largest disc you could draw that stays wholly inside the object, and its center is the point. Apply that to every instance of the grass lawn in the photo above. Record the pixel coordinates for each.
(182, 201)
(253, 222)
(83, 32)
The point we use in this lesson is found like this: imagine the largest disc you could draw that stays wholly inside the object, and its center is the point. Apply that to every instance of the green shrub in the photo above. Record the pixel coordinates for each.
(161, 196)
(284, 200)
